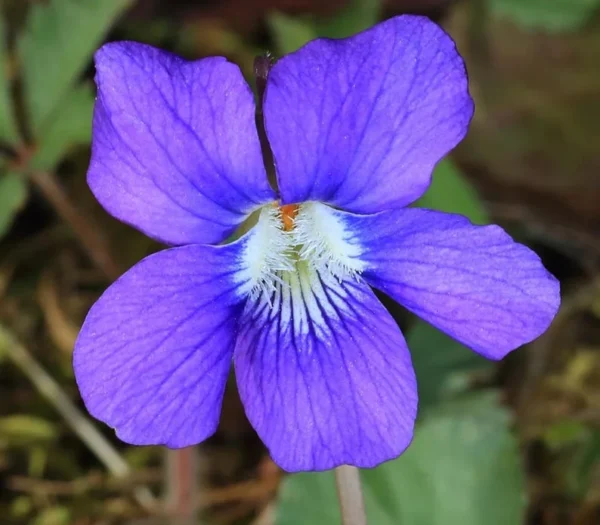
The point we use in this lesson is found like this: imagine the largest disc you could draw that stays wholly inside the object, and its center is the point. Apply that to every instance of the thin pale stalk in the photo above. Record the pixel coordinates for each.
(49, 388)
(182, 485)
(352, 506)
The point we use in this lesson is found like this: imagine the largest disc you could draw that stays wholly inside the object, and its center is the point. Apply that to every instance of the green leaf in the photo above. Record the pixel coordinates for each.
(550, 15)
(357, 16)
(13, 194)
(564, 433)
(576, 447)
(24, 429)
(8, 128)
(292, 33)
(21, 506)
(57, 515)
(452, 193)
(70, 126)
(441, 363)
(462, 468)
(585, 461)
(308, 497)
(59, 39)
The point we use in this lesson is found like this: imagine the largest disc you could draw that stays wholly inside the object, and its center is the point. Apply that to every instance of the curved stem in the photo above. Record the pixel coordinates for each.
(352, 506)
(262, 66)
(86, 232)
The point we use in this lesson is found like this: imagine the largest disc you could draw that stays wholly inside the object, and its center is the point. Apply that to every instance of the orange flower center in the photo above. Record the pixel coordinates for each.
(288, 214)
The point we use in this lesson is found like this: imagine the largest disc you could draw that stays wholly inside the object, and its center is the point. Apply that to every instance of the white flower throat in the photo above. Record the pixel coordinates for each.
(293, 244)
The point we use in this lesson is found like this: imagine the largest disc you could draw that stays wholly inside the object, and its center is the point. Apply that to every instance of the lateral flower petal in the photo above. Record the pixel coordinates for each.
(360, 123)
(154, 352)
(175, 151)
(325, 375)
(473, 282)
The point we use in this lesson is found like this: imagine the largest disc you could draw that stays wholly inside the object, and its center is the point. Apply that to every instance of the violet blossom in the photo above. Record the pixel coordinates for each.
(356, 127)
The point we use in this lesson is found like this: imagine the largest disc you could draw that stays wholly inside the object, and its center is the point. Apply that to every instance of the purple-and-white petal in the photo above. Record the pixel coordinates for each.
(175, 151)
(473, 282)
(360, 123)
(325, 375)
(154, 352)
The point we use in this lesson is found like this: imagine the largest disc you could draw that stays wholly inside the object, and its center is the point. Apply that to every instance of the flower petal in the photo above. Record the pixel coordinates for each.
(360, 123)
(473, 282)
(175, 151)
(154, 352)
(325, 375)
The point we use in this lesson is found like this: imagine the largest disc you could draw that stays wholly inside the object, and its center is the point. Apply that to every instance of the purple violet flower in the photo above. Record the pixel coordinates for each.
(356, 127)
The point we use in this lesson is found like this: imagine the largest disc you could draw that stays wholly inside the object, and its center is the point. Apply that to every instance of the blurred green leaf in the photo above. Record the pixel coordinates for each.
(8, 128)
(13, 194)
(25, 428)
(564, 433)
(576, 448)
(551, 15)
(439, 362)
(21, 506)
(308, 497)
(291, 33)
(57, 43)
(462, 468)
(71, 125)
(58, 515)
(38, 459)
(452, 193)
(357, 16)
(585, 465)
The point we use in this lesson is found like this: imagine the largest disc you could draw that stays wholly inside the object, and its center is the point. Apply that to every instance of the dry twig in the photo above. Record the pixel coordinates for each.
(81, 425)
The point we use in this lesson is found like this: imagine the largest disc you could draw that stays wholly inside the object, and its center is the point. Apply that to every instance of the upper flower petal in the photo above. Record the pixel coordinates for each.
(154, 352)
(360, 123)
(175, 150)
(325, 375)
(473, 282)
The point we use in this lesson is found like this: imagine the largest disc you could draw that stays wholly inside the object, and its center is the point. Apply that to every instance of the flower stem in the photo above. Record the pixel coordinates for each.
(352, 506)
(262, 66)
(182, 484)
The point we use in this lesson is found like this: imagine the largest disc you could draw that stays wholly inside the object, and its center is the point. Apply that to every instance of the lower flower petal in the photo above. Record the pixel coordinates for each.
(325, 375)
(473, 282)
(154, 352)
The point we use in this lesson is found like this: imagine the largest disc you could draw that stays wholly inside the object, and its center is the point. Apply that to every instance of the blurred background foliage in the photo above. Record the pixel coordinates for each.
(516, 442)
